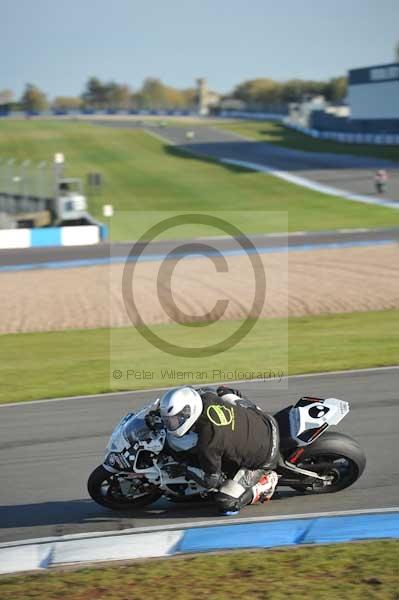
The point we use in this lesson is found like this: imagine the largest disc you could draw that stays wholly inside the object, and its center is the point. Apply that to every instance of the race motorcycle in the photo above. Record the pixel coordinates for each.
(142, 463)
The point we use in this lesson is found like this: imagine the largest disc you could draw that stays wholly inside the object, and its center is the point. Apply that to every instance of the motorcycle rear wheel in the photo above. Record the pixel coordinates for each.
(335, 455)
(104, 489)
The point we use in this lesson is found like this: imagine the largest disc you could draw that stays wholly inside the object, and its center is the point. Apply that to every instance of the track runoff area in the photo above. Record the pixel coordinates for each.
(49, 448)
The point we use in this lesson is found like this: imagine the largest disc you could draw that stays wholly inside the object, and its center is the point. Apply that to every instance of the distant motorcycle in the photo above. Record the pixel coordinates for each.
(380, 181)
(142, 462)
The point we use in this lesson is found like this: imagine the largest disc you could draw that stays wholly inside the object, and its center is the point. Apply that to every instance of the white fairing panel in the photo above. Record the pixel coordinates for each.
(311, 420)
(231, 398)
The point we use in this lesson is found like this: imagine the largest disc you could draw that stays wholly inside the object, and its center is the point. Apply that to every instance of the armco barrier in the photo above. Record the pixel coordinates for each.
(254, 116)
(79, 235)
(384, 139)
(378, 139)
(30, 555)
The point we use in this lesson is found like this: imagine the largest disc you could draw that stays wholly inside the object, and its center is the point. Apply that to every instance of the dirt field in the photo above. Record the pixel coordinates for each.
(298, 283)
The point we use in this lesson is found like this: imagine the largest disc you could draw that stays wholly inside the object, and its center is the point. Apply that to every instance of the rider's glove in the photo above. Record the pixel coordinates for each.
(177, 470)
(153, 420)
(211, 481)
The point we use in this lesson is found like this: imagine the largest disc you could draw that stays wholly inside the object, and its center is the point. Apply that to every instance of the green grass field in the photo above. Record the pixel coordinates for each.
(278, 134)
(360, 571)
(141, 173)
(55, 364)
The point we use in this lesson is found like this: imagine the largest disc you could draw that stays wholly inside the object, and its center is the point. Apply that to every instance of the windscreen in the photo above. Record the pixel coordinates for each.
(136, 429)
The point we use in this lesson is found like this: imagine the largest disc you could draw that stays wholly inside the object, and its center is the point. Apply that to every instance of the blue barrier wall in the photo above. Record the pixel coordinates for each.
(49, 236)
(53, 236)
(325, 122)
(292, 532)
(27, 555)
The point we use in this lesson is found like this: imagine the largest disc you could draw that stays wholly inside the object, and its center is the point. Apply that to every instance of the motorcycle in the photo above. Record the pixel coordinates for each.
(380, 187)
(142, 463)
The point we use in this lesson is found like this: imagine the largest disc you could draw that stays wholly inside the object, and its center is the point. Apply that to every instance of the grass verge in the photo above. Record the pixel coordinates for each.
(278, 134)
(340, 571)
(55, 364)
(142, 172)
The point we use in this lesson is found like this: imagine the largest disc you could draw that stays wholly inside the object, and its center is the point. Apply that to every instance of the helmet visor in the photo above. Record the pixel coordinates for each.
(173, 422)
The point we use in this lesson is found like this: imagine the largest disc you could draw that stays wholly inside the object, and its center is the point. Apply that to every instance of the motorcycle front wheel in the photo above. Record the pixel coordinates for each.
(105, 489)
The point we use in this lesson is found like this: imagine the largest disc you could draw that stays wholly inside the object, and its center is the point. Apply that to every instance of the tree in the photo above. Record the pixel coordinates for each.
(292, 90)
(33, 99)
(259, 91)
(152, 94)
(95, 94)
(6, 97)
(263, 91)
(66, 103)
(336, 89)
(174, 98)
(117, 96)
(99, 95)
(189, 97)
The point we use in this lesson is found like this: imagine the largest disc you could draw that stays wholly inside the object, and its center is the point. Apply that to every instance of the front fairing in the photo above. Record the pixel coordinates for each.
(130, 434)
(118, 449)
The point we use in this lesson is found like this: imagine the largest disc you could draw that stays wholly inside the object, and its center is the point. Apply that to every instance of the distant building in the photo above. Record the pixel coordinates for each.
(300, 112)
(373, 94)
(206, 98)
(371, 106)
(338, 110)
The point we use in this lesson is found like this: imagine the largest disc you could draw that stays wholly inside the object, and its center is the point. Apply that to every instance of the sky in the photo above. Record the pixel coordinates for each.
(58, 45)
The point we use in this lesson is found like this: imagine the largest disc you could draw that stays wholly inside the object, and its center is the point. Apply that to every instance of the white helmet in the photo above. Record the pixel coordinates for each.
(180, 408)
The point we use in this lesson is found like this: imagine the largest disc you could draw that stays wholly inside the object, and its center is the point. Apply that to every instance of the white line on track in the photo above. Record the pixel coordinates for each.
(358, 230)
(295, 179)
(312, 184)
(159, 137)
(187, 525)
(159, 389)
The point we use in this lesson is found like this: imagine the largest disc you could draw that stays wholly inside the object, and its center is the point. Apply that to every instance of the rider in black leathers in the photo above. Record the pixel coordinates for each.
(233, 437)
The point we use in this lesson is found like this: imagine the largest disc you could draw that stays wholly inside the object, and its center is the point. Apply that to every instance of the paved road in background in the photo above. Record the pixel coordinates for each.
(48, 450)
(342, 171)
(41, 256)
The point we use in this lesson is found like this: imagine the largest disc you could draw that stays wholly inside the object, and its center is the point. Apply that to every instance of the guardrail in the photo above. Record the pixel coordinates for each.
(384, 139)
(379, 139)
(90, 112)
(253, 116)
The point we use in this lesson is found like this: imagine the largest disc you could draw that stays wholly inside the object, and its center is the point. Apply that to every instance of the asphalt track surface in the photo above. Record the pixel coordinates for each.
(342, 171)
(31, 257)
(49, 448)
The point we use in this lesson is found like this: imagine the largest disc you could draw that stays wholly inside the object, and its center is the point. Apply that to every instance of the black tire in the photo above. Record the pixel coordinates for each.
(194, 498)
(333, 454)
(104, 489)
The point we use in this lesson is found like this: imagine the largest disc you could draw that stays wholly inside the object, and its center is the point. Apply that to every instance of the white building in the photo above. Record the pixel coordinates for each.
(373, 93)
